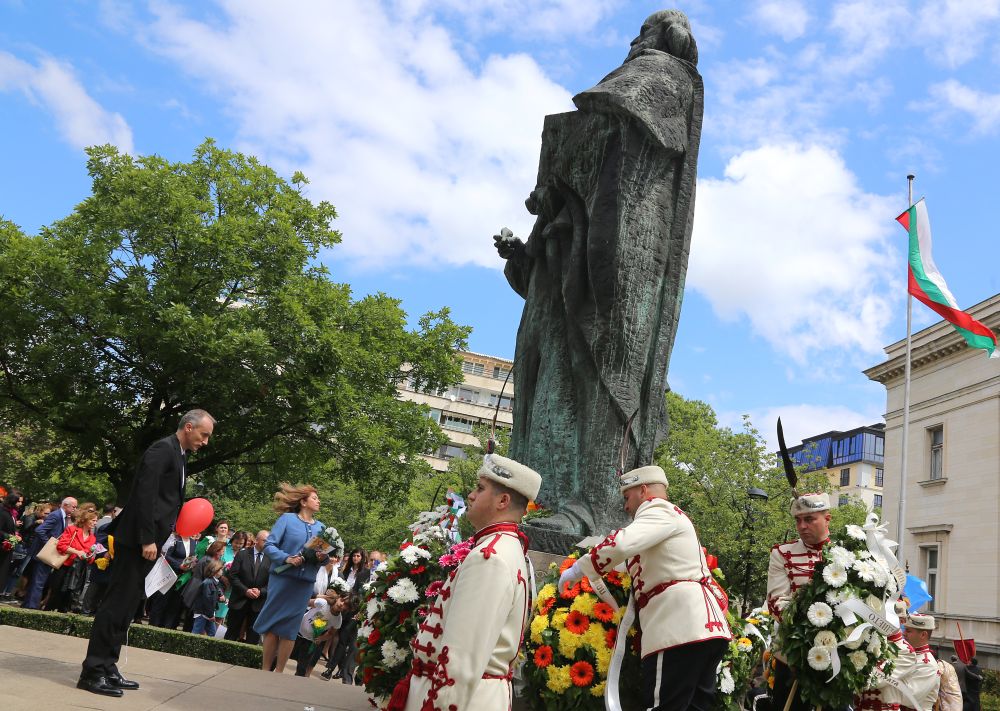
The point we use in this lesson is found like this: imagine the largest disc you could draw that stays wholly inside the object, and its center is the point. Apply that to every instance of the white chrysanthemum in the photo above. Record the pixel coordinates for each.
(826, 638)
(856, 644)
(744, 644)
(865, 570)
(863, 554)
(835, 575)
(842, 556)
(820, 658)
(856, 532)
(858, 659)
(726, 683)
(404, 591)
(820, 614)
(875, 643)
(392, 654)
(411, 555)
(366, 629)
(372, 608)
(832, 597)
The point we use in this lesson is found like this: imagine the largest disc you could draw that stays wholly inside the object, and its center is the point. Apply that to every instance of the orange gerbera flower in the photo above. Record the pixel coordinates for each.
(547, 605)
(570, 591)
(585, 585)
(543, 656)
(614, 577)
(566, 565)
(604, 612)
(581, 673)
(609, 637)
(577, 622)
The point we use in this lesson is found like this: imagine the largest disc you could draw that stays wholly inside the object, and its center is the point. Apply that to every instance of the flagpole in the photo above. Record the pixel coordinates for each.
(901, 518)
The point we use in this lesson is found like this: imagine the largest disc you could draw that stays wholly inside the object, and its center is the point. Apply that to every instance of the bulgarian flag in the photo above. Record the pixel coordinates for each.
(927, 284)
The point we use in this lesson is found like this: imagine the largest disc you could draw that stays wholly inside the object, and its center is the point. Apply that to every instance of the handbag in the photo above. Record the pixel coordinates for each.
(50, 555)
(74, 577)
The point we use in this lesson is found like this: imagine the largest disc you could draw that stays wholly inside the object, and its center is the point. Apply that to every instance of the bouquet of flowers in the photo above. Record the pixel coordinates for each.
(833, 633)
(735, 672)
(397, 599)
(10, 541)
(570, 642)
(339, 586)
(96, 550)
(326, 541)
(318, 627)
(189, 562)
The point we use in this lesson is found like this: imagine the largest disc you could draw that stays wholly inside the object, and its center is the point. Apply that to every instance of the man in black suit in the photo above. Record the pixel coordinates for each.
(140, 531)
(249, 574)
(52, 527)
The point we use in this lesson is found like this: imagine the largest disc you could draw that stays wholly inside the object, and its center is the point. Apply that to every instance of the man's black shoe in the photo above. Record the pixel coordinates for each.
(98, 685)
(119, 682)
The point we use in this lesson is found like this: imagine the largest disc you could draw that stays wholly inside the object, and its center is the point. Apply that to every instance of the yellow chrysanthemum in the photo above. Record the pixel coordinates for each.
(626, 582)
(547, 591)
(619, 614)
(569, 643)
(584, 604)
(594, 636)
(603, 660)
(558, 678)
(597, 689)
(559, 619)
(538, 625)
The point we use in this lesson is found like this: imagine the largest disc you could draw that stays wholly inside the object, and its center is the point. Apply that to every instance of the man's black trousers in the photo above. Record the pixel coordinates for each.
(683, 677)
(125, 592)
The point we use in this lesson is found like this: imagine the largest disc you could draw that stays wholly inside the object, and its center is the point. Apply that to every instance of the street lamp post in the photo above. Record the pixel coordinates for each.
(753, 494)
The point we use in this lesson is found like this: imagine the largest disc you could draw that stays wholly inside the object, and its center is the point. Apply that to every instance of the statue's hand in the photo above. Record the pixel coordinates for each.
(507, 245)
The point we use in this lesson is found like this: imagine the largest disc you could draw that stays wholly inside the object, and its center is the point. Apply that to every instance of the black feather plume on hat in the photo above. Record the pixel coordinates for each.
(786, 460)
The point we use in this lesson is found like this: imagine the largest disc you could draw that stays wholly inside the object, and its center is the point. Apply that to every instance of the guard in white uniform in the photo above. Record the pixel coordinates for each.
(465, 650)
(790, 568)
(915, 676)
(681, 608)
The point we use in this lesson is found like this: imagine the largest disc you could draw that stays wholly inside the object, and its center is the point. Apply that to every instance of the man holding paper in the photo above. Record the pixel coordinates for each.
(140, 531)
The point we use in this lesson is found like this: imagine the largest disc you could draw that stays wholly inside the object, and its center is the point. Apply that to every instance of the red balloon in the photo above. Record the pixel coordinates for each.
(194, 518)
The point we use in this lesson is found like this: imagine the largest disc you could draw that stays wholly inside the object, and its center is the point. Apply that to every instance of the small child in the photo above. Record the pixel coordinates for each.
(309, 646)
(209, 596)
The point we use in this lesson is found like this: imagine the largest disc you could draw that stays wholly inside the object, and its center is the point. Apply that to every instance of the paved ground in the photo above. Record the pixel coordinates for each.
(40, 669)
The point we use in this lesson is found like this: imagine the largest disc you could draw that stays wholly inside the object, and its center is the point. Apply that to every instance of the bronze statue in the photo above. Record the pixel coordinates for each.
(602, 274)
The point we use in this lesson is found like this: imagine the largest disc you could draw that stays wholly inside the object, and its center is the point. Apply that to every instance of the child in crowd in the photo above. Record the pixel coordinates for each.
(209, 596)
(309, 644)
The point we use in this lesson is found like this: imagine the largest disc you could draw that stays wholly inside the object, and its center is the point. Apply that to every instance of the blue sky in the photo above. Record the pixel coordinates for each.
(420, 122)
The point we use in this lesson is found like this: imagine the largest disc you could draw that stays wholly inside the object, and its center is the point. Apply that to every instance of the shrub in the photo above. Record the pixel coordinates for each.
(141, 636)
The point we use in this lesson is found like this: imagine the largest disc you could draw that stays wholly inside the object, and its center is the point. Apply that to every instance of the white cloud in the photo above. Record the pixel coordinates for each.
(800, 421)
(786, 18)
(53, 84)
(867, 30)
(529, 17)
(954, 30)
(951, 96)
(789, 241)
(425, 156)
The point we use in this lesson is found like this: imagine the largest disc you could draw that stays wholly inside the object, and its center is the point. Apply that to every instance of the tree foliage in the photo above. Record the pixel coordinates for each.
(710, 469)
(197, 284)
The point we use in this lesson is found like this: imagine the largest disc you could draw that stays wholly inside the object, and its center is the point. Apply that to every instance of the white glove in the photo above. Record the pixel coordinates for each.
(570, 575)
(781, 602)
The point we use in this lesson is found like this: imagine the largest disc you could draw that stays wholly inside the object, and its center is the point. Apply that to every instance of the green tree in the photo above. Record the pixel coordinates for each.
(196, 284)
(711, 470)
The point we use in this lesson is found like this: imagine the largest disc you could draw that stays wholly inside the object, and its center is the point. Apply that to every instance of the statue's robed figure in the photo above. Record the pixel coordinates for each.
(602, 273)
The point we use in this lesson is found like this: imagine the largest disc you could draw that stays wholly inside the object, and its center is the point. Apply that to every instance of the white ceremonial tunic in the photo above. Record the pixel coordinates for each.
(466, 647)
(677, 599)
(789, 568)
(914, 669)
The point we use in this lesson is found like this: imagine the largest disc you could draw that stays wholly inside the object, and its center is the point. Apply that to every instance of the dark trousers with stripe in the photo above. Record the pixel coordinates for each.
(682, 678)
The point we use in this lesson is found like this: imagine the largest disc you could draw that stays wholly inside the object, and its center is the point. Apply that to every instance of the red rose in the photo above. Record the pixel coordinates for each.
(404, 616)
(374, 637)
(418, 570)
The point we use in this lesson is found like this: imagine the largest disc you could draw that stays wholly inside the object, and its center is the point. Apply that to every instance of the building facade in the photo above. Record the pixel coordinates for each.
(951, 526)
(853, 460)
(458, 409)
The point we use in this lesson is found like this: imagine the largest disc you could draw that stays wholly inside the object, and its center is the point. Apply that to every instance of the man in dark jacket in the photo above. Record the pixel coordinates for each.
(974, 682)
(140, 531)
(52, 527)
(248, 574)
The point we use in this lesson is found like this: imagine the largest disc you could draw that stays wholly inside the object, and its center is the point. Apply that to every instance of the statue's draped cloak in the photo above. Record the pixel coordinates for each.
(602, 275)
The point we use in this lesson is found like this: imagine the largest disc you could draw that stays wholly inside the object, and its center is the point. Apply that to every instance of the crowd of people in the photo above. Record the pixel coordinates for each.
(223, 579)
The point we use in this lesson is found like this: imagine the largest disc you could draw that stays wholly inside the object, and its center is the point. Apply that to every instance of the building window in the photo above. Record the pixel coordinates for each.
(931, 568)
(877, 503)
(845, 477)
(467, 395)
(937, 451)
(843, 500)
(458, 424)
(879, 477)
(450, 451)
(500, 373)
(505, 401)
(473, 368)
(434, 414)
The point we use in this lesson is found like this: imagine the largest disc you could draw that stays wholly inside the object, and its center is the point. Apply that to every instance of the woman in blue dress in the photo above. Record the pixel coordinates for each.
(288, 592)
